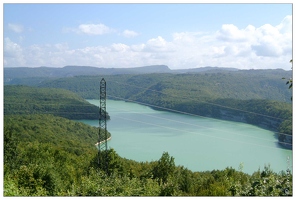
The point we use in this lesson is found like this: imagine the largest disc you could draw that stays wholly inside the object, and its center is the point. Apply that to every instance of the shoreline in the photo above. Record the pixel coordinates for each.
(97, 144)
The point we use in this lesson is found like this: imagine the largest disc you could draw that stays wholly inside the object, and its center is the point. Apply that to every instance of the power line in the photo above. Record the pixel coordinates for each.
(177, 111)
(199, 101)
(192, 124)
(45, 112)
(93, 113)
(201, 126)
(166, 119)
(88, 113)
(48, 104)
(195, 133)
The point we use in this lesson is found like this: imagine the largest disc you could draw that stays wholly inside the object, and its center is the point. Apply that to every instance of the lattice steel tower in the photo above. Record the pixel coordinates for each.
(103, 136)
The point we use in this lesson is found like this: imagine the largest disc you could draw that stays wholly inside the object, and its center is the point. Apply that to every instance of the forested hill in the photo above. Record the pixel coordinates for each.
(44, 155)
(59, 102)
(11, 74)
(257, 97)
(242, 85)
(52, 156)
(206, 82)
(69, 71)
(47, 155)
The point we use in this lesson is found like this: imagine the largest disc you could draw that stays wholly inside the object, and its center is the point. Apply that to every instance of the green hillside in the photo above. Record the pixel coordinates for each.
(247, 84)
(46, 155)
(258, 97)
(60, 102)
(13, 75)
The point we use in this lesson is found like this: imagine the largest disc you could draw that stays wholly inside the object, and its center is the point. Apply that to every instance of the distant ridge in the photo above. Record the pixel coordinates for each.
(203, 69)
(69, 71)
(151, 69)
(72, 70)
(12, 75)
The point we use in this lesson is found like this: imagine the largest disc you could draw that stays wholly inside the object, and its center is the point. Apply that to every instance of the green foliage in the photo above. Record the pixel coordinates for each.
(99, 184)
(45, 164)
(243, 84)
(70, 135)
(268, 183)
(59, 102)
(10, 141)
(164, 167)
(47, 155)
(285, 130)
(33, 76)
(258, 97)
(290, 81)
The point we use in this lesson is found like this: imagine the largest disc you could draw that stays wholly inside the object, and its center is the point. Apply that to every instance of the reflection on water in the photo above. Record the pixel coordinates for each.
(200, 144)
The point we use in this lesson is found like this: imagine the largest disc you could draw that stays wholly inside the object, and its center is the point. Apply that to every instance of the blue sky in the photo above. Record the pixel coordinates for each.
(244, 36)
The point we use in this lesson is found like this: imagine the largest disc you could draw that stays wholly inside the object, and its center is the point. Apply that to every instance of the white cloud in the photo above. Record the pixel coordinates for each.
(230, 32)
(130, 34)
(15, 27)
(13, 54)
(94, 29)
(274, 41)
(250, 47)
(158, 44)
(186, 37)
(61, 47)
(138, 47)
(38, 55)
(285, 26)
(120, 47)
(268, 47)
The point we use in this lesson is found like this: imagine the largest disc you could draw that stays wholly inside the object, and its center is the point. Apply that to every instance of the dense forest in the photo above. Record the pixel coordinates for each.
(46, 153)
(13, 75)
(204, 82)
(59, 102)
(242, 85)
(258, 97)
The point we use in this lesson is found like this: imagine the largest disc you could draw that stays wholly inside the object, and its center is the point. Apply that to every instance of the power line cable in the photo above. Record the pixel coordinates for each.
(155, 117)
(177, 111)
(91, 113)
(193, 132)
(192, 124)
(45, 112)
(199, 101)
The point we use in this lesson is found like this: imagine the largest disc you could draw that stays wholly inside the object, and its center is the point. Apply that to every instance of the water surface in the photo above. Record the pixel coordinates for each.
(199, 144)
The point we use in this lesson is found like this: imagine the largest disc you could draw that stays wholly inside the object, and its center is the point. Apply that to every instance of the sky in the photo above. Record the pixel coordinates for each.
(122, 35)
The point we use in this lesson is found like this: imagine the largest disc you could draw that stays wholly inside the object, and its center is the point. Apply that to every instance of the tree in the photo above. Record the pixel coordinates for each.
(290, 81)
(10, 145)
(164, 168)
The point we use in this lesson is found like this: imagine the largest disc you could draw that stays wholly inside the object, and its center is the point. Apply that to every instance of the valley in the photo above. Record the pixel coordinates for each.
(48, 151)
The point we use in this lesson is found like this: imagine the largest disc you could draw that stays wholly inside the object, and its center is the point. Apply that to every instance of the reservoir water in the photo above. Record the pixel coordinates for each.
(200, 144)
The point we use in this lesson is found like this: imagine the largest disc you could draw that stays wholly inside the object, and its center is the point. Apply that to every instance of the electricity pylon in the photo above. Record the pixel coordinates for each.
(103, 136)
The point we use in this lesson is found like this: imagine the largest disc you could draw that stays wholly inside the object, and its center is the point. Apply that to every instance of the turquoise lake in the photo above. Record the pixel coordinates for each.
(200, 144)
